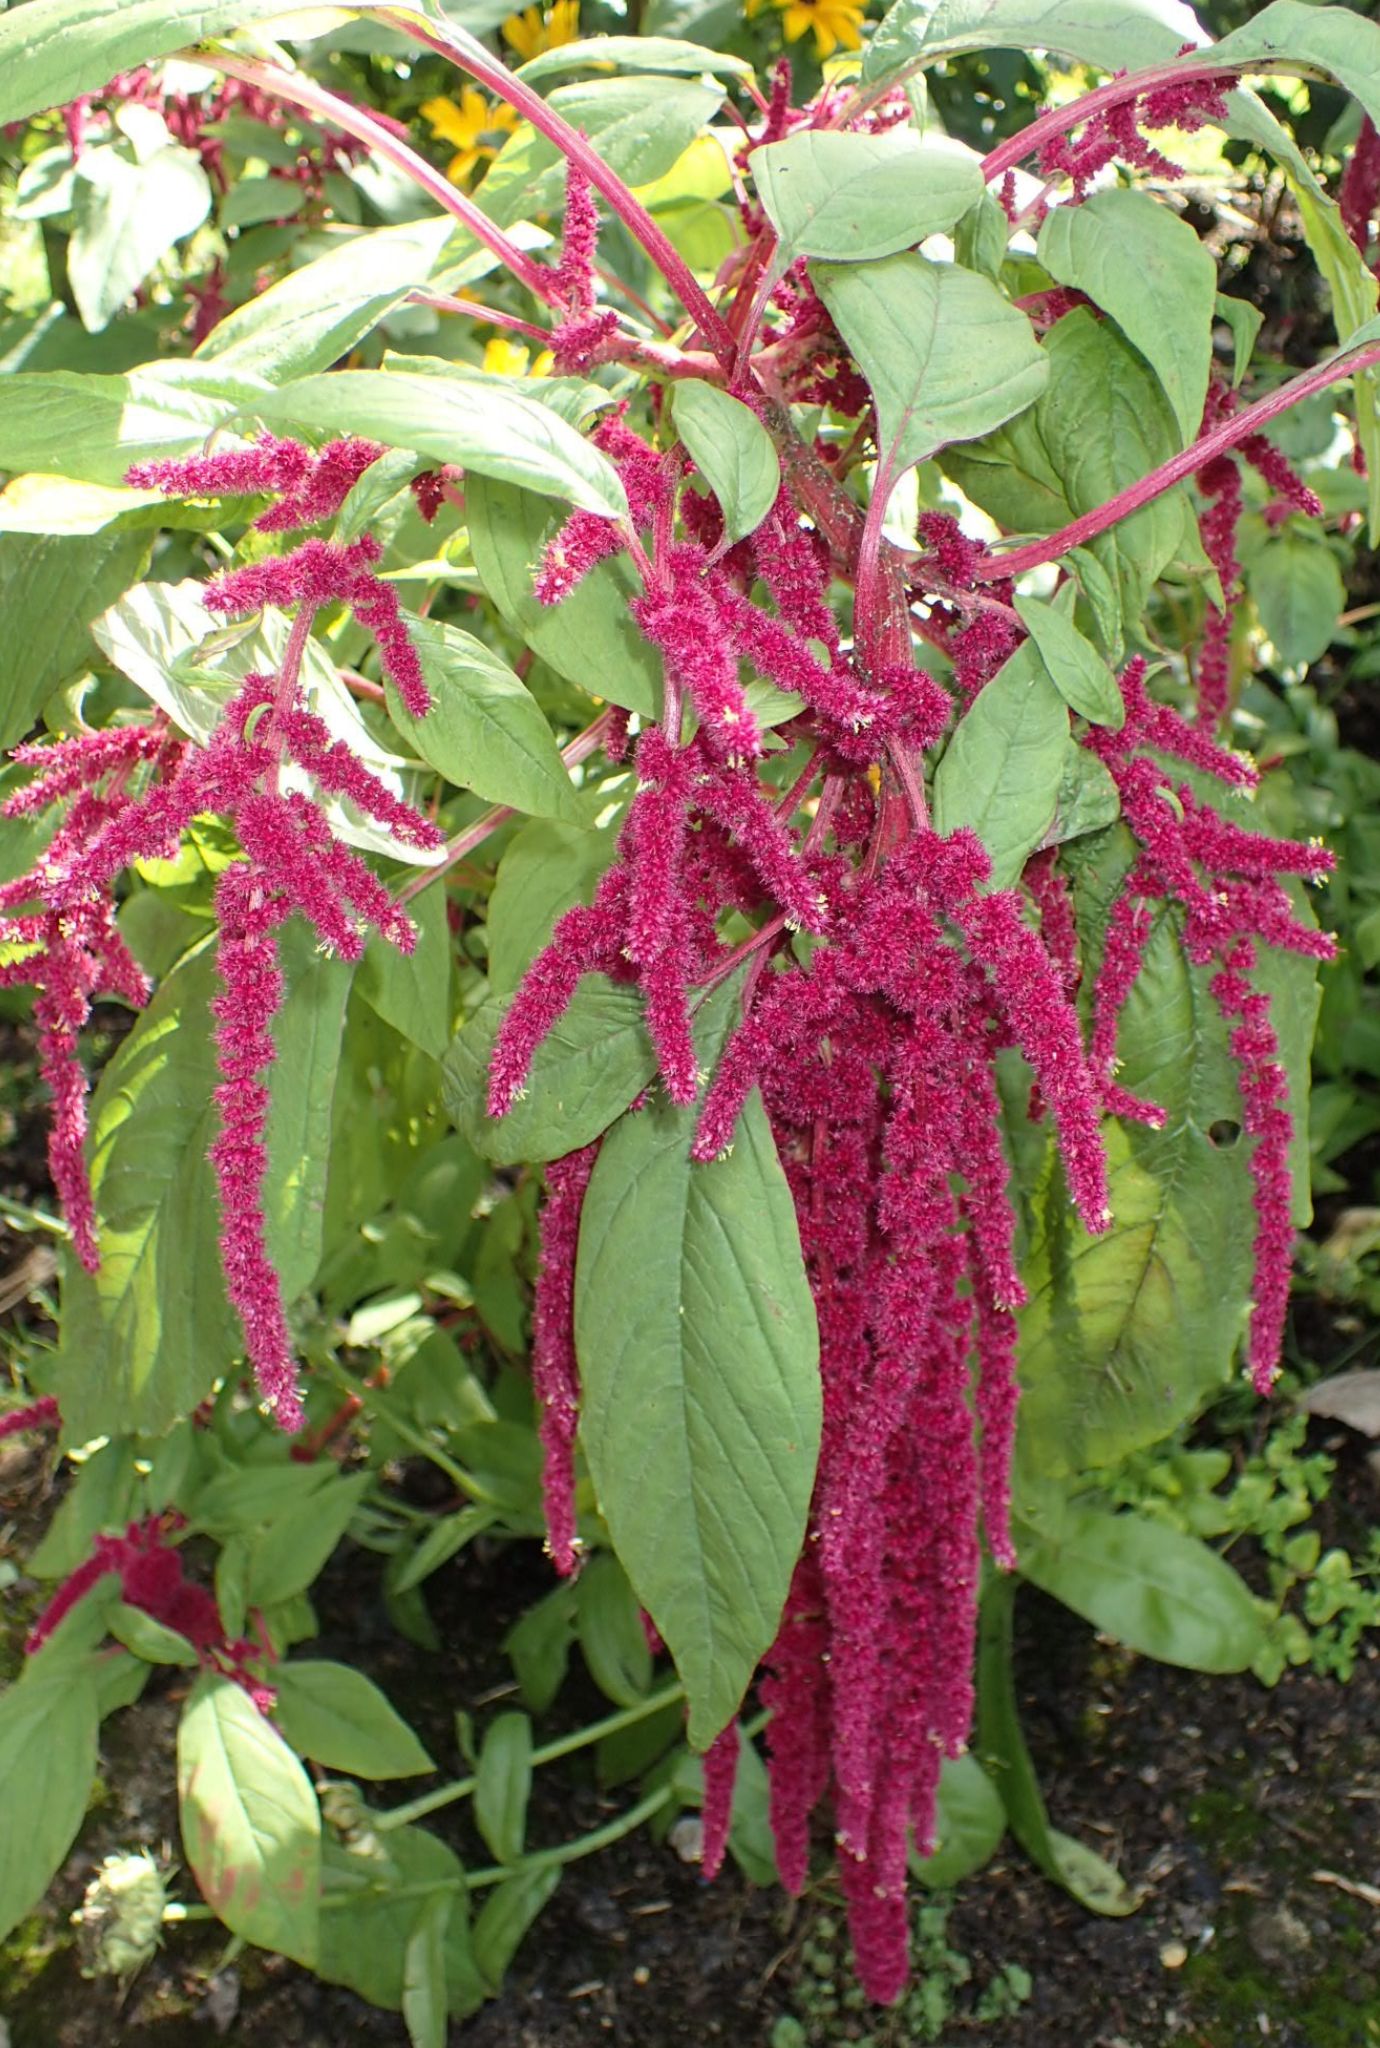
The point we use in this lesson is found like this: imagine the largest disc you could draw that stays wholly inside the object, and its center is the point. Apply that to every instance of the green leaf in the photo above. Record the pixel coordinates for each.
(1088, 798)
(366, 1930)
(586, 1072)
(308, 1033)
(590, 637)
(424, 1974)
(634, 53)
(1102, 423)
(50, 591)
(251, 1828)
(296, 1546)
(148, 1638)
(1006, 1760)
(411, 991)
(947, 357)
(68, 47)
(48, 1727)
(852, 198)
(1299, 594)
(339, 1718)
(1073, 664)
(639, 126)
(969, 1823)
(128, 214)
(485, 730)
(1002, 771)
(1126, 1334)
(503, 1780)
(505, 1917)
(732, 451)
(546, 870)
(702, 1449)
(315, 315)
(1144, 265)
(94, 428)
(1289, 33)
(486, 426)
(147, 1335)
(1148, 1585)
(1113, 34)
(613, 1641)
(538, 1645)
(1245, 322)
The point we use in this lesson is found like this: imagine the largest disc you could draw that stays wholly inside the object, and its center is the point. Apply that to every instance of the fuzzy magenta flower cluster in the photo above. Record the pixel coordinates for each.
(136, 789)
(149, 1569)
(874, 1050)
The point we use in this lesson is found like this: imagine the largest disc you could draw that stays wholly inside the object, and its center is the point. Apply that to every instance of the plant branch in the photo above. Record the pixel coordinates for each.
(1239, 428)
(471, 56)
(565, 1745)
(301, 91)
(1117, 91)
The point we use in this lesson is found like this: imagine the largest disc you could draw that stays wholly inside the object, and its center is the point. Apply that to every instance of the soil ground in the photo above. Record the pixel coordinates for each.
(1248, 1817)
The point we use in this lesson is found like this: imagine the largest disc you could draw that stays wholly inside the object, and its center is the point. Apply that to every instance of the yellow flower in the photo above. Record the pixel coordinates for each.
(836, 23)
(504, 358)
(542, 28)
(475, 128)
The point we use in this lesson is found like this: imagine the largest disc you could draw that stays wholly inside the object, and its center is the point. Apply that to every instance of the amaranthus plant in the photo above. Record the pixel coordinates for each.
(900, 994)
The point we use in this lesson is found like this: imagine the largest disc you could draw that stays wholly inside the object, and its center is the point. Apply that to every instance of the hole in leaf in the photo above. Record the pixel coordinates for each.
(1224, 1133)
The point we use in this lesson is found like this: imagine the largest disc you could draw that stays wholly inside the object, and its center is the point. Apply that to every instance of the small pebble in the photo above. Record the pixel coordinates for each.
(1173, 1955)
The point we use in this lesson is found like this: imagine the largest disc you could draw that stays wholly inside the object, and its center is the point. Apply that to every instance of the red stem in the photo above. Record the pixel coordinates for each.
(305, 92)
(1163, 479)
(471, 56)
(1058, 120)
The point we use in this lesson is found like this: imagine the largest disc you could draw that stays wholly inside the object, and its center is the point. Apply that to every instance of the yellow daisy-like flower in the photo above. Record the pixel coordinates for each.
(542, 28)
(475, 128)
(837, 24)
(504, 358)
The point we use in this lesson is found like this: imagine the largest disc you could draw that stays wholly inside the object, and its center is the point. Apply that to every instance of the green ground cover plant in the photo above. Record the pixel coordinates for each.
(672, 687)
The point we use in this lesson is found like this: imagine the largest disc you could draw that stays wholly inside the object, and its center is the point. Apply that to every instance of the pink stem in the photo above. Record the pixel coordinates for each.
(489, 316)
(471, 56)
(1058, 120)
(1163, 479)
(305, 92)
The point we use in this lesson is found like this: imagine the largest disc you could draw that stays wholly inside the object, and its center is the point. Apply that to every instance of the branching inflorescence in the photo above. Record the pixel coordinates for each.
(136, 789)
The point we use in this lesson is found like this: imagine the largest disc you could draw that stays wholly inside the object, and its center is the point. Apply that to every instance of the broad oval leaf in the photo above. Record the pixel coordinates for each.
(1003, 769)
(639, 126)
(485, 426)
(1073, 664)
(68, 47)
(251, 1827)
(94, 428)
(505, 1917)
(1114, 34)
(699, 1357)
(732, 451)
(129, 214)
(364, 1937)
(851, 198)
(48, 1724)
(502, 1782)
(947, 357)
(546, 869)
(590, 637)
(634, 53)
(1143, 264)
(424, 1998)
(586, 1072)
(339, 1718)
(969, 1822)
(1299, 594)
(1151, 1587)
(51, 589)
(485, 731)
